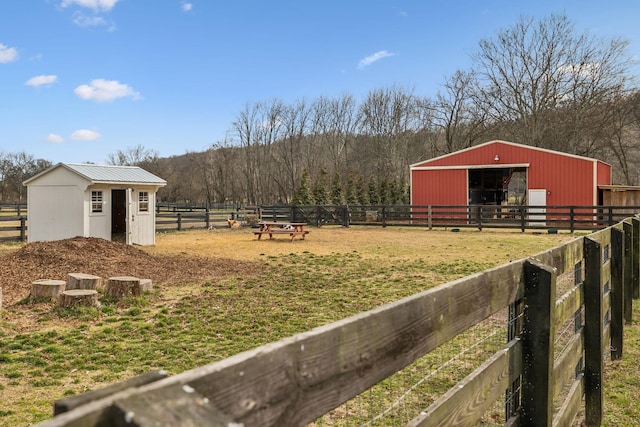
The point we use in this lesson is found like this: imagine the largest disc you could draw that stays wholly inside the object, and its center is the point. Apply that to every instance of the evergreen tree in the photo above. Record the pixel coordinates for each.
(350, 191)
(383, 192)
(373, 192)
(336, 190)
(320, 193)
(302, 195)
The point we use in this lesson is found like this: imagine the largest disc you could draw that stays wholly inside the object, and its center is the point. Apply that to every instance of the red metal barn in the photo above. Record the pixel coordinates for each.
(505, 173)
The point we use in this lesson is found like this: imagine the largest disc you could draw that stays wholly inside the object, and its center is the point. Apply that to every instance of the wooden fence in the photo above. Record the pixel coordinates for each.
(183, 217)
(294, 381)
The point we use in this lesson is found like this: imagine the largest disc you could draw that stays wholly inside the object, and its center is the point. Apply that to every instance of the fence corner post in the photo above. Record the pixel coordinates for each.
(537, 344)
(593, 326)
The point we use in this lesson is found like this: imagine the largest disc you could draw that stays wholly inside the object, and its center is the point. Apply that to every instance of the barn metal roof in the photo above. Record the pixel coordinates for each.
(108, 174)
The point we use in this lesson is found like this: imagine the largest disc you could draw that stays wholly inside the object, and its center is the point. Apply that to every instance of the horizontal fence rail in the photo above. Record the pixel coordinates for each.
(563, 312)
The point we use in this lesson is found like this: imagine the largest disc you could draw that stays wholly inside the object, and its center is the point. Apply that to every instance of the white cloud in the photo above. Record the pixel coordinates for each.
(97, 5)
(373, 58)
(187, 7)
(101, 90)
(82, 20)
(85, 135)
(41, 80)
(55, 138)
(7, 54)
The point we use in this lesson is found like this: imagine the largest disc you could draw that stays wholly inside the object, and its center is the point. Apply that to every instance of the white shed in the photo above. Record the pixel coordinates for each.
(87, 200)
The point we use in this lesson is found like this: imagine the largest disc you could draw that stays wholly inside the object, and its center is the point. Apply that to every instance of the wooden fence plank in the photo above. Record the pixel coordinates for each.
(564, 367)
(72, 402)
(567, 306)
(567, 412)
(563, 258)
(464, 404)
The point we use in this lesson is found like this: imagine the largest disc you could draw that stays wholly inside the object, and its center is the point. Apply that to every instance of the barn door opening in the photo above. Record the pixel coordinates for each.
(118, 215)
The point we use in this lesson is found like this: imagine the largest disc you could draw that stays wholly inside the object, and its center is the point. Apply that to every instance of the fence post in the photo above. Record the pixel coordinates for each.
(537, 344)
(610, 216)
(384, 216)
(522, 211)
(207, 217)
(23, 228)
(430, 217)
(572, 218)
(628, 268)
(635, 265)
(479, 218)
(617, 292)
(179, 221)
(593, 326)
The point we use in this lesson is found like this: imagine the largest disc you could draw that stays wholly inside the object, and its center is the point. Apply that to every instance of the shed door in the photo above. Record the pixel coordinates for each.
(537, 215)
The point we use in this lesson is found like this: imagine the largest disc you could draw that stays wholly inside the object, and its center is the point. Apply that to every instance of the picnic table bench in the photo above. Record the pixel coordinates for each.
(291, 228)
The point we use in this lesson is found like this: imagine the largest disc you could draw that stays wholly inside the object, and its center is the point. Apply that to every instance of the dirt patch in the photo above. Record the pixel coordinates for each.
(55, 260)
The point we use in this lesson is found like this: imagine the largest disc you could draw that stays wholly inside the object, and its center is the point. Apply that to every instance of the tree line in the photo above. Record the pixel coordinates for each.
(539, 82)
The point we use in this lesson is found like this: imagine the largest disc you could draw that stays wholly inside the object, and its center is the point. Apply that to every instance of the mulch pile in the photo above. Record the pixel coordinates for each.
(55, 260)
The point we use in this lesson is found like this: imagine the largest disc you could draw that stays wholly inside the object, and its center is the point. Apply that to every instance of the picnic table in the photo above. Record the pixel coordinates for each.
(274, 227)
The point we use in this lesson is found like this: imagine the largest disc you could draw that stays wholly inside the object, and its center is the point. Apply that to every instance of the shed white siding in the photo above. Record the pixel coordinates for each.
(55, 212)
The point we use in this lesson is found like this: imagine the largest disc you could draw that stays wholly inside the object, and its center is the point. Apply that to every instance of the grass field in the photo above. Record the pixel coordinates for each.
(47, 353)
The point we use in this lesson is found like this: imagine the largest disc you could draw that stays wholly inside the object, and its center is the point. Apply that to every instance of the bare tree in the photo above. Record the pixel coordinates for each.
(457, 118)
(132, 156)
(16, 168)
(534, 68)
(387, 117)
(336, 124)
(288, 155)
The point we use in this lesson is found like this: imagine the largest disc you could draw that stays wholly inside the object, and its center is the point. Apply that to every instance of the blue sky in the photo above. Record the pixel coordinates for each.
(80, 79)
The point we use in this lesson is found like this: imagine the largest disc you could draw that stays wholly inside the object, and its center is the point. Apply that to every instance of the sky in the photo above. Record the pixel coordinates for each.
(82, 79)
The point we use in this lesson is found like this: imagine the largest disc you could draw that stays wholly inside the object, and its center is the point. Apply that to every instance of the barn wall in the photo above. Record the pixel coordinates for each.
(604, 174)
(568, 179)
(439, 187)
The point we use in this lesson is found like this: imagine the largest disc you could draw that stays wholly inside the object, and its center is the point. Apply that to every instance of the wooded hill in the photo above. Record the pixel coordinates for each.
(538, 83)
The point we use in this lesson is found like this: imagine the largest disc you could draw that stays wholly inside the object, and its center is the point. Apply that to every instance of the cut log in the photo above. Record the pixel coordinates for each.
(146, 285)
(122, 286)
(79, 297)
(46, 289)
(83, 281)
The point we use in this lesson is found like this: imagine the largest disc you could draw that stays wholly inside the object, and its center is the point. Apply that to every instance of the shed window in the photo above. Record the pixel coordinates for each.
(96, 202)
(143, 201)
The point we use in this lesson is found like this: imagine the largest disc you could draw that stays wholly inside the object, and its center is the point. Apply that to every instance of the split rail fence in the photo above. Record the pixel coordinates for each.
(547, 371)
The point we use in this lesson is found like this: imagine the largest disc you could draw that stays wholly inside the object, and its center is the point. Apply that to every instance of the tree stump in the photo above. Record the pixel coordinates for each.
(46, 289)
(83, 281)
(145, 285)
(79, 297)
(122, 286)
